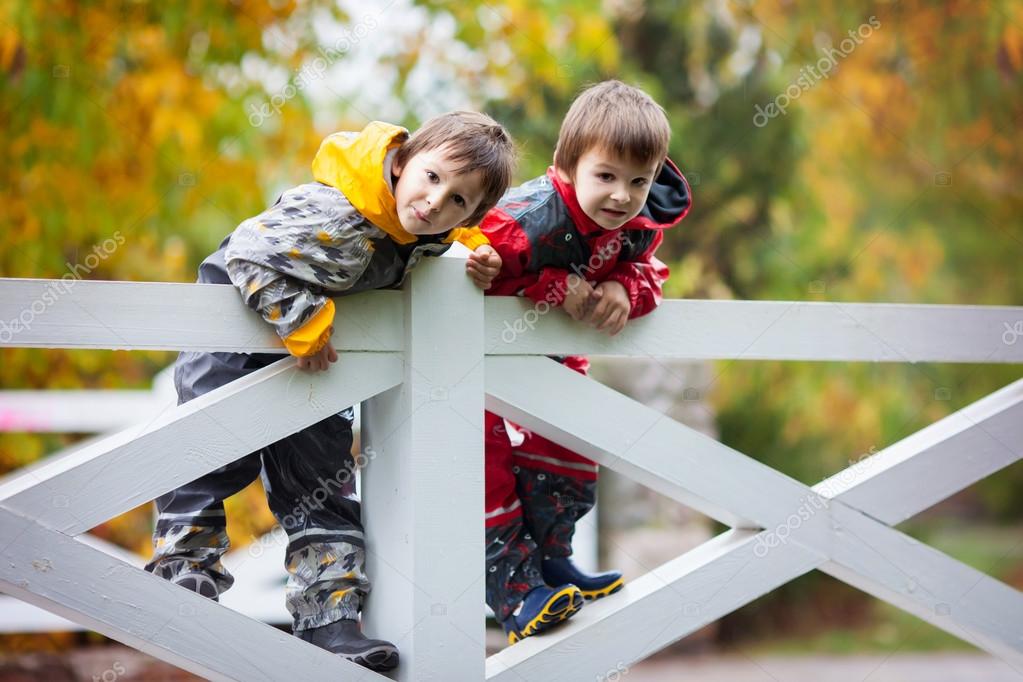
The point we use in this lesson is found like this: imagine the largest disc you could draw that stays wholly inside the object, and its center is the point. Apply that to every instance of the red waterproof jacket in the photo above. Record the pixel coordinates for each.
(543, 236)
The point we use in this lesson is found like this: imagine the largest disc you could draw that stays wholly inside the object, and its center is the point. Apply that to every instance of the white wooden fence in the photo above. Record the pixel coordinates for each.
(421, 361)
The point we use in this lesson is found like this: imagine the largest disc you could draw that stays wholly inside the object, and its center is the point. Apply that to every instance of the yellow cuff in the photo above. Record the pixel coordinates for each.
(471, 237)
(312, 336)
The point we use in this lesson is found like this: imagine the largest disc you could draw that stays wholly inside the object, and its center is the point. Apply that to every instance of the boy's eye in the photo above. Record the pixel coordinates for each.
(458, 199)
(432, 176)
(606, 177)
(639, 182)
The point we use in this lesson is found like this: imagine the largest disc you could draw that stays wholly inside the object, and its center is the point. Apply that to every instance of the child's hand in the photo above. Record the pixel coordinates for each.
(580, 299)
(612, 309)
(483, 266)
(319, 361)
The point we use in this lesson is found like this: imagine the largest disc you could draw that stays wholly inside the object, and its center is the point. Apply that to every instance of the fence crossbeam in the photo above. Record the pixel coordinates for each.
(89, 486)
(166, 316)
(424, 418)
(771, 330)
(81, 583)
(936, 462)
(861, 550)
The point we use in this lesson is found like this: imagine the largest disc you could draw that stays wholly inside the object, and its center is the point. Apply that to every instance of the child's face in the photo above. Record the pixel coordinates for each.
(430, 197)
(611, 189)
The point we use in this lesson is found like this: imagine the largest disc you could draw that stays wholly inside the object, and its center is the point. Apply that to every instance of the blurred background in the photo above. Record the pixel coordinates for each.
(837, 151)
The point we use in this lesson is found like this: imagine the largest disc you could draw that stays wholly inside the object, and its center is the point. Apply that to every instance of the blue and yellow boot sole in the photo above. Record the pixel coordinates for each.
(592, 595)
(561, 606)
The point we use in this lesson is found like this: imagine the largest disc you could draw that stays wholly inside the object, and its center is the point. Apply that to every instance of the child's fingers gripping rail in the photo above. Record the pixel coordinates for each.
(611, 309)
(580, 298)
(320, 360)
(483, 265)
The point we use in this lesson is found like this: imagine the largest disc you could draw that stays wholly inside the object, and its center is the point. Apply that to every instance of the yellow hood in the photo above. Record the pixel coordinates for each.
(354, 164)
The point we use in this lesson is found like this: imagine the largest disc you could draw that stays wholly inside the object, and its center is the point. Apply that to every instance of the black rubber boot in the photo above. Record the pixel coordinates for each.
(345, 638)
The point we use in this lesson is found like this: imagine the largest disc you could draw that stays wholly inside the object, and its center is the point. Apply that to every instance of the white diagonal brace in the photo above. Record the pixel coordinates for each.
(934, 463)
(880, 577)
(92, 485)
(770, 330)
(67, 577)
(653, 611)
(917, 578)
(640, 443)
(49, 313)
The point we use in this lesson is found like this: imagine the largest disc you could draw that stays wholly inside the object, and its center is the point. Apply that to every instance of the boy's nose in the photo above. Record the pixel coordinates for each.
(620, 195)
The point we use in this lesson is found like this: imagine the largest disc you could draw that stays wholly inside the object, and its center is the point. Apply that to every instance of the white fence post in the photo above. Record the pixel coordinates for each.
(423, 488)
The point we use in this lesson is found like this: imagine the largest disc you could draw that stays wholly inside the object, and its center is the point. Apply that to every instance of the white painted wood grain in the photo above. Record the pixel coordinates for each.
(96, 483)
(628, 437)
(164, 316)
(927, 583)
(862, 550)
(423, 487)
(769, 330)
(66, 577)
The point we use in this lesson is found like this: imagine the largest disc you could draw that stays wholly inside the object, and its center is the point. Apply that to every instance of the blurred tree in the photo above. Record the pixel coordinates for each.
(907, 158)
(129, 135)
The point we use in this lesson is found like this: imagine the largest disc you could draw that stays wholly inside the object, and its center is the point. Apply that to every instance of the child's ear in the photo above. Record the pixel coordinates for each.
(396, 169)
(565, 177)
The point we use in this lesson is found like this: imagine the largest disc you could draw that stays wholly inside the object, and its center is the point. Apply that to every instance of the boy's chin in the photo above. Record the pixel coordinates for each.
(610, 227)
(424, 230)
(605, 224)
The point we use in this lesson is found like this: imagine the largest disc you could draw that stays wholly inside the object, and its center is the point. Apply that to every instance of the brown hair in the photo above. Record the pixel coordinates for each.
(615, 117)
(474, 141)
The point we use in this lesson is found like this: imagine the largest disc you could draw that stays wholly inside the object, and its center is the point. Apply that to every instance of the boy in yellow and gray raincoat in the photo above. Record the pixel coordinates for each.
(381, 201)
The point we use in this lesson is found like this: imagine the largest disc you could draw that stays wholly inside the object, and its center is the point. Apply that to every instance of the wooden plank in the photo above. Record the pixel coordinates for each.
(993, 616)
(932, 464)
(46, 313)
(258, 569)
(77, 411)
(653, 611)
(96, 483)
(921, 580)
(640, 443)
(770, 330)
(423, 487)
(66, 577)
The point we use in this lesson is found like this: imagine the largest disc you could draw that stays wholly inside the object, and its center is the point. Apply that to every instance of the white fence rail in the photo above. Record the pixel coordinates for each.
(421, 361)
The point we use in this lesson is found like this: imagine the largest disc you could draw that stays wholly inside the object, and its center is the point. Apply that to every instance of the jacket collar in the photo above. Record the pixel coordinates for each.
(359, 165)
